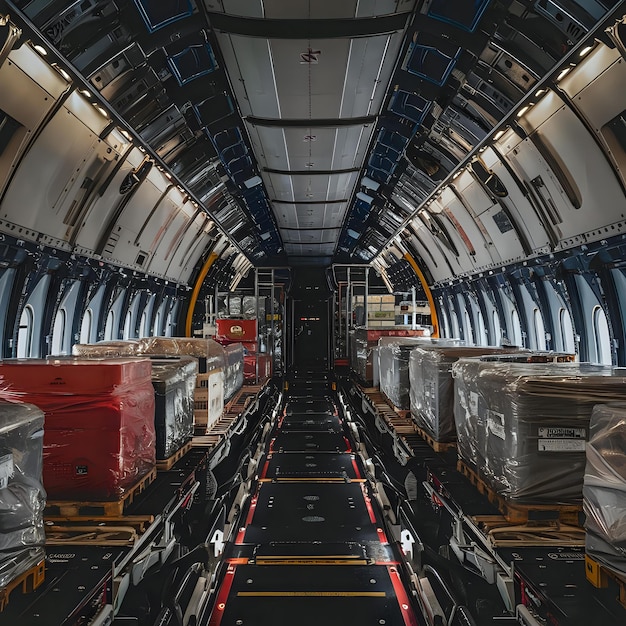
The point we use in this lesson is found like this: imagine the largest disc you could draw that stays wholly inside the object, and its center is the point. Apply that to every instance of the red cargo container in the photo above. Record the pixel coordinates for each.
(227, 330)
(99, 437)
(250, 367)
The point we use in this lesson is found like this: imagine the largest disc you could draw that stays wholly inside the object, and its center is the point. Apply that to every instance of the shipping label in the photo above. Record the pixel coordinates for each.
(561, 445)
(562, 432)
(7, 469)
(495, 424)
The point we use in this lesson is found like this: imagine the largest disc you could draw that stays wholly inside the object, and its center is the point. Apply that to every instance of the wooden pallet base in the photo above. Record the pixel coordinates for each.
(163, 465)
(115, 508)
(503, 534)
(437, 446)
(600, 577)
(240, 401)
(29, 581)
(568, 514)
(139, 523)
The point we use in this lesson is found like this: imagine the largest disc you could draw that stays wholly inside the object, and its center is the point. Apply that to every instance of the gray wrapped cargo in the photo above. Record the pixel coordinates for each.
(523, 426)
(393, 359)
(233, 371)
(174, 382)
(432, 385)
(604, 491)
(22, 496)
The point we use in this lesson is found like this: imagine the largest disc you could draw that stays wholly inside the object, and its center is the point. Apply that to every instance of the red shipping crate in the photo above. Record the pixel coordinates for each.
(99, 437)
(235, 330)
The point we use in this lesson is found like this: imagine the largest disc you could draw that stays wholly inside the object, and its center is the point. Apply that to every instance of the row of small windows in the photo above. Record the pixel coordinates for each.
(61, 340)
(474, 329)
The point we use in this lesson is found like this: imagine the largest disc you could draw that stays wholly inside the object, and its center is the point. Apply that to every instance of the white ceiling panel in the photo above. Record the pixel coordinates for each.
(310, 215)
(251, 73)
(320, 9)
(298, 249)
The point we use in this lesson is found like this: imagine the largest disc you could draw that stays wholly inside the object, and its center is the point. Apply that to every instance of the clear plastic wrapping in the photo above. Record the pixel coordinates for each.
(604, 491)
(209, 353)
(174, 382)
(393, 359)
(362, 344)
(523, 426)
(99, 438)
(103, 349)
(432, 386)
(233, 370)
(22, 496)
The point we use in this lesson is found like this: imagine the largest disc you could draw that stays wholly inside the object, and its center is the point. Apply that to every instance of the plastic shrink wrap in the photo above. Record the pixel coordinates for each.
(362, 344)
(523, 426)
(99, 437)
(393, 359)
(432, 386)
(104, 349)
(209, 353)
(233, 371)
(604, 491)
(174, 382)
(22, 496)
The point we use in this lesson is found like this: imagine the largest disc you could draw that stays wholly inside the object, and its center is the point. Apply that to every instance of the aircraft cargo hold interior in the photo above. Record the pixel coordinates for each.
(312, 312)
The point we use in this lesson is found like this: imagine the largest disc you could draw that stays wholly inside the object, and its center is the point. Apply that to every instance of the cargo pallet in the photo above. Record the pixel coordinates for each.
(239, 403)
(165, 465)
(399, 419)
(568, 514)
(113, 508)
(437, 446)
(29, 580)
(600, 577)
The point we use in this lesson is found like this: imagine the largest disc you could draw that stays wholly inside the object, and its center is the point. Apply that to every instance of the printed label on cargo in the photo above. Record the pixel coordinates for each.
(473, 403)
(495, 423)
(561, 445)
(562, 432)
(6, 470)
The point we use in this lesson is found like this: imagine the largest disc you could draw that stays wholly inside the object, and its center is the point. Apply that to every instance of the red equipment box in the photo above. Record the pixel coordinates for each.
(99, 437)
(235, 330)
(250, 367)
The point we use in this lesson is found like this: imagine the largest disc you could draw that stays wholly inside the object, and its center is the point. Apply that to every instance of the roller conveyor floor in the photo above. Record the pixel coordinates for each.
(312, 547)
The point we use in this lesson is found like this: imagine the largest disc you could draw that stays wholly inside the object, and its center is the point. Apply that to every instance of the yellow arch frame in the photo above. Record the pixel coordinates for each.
(429, 295)
(196, 291)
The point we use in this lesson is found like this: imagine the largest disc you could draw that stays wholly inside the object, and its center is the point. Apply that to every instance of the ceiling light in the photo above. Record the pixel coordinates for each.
(585, 51)
(523, 110)
(101, 111)
(498, 134)
(563, 73)
(63, 73)
(40, 49)
(85, 93)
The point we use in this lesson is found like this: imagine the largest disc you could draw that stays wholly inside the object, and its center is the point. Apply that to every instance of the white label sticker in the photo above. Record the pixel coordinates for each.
(561, 445)
(495, 423)
(6, 470)
(562, 432)
(473, 403)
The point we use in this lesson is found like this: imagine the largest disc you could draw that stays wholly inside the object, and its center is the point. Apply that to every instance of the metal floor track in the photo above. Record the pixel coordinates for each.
(311, 547)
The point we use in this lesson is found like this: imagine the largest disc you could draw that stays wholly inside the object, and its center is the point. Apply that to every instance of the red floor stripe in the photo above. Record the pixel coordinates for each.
(220, 602)
(402, 597)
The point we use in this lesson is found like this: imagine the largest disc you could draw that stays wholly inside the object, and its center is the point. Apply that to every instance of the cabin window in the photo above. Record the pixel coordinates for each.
(497, 330)
(455, 325)
(25, 333)
(481, 338)
(128, 324)
(601, 337)
(566, 330)
(468, 327)
(85, 327)
(539, 330)
(110, 325)
(516, 329)
(157, 323)
(58, 332)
